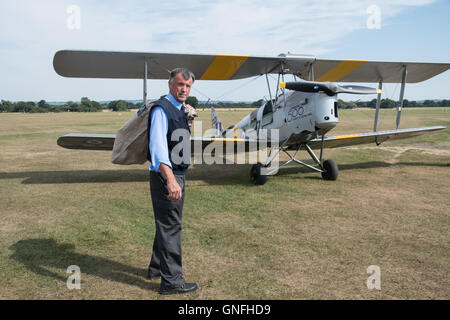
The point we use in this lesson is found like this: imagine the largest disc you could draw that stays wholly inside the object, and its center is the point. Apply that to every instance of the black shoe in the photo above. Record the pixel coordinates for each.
(151, 276)
(184, 288)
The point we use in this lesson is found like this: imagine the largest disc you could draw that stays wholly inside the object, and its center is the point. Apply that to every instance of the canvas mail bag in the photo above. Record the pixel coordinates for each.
(131, 142)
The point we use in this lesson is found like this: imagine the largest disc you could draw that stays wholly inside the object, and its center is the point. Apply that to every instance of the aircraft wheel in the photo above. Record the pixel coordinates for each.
(331, 170)
(256, 176)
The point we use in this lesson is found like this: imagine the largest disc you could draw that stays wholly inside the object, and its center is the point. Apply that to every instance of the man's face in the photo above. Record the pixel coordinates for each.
(180, 88)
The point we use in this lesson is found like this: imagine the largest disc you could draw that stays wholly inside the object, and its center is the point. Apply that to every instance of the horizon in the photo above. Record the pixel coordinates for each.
(367, 29)
(61, 102)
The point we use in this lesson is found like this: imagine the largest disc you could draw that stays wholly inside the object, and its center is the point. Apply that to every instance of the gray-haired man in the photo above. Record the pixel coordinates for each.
(167, 182)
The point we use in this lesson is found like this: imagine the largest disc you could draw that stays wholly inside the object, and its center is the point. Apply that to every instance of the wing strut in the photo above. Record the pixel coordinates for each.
(145, 82)
(402, 92)
(377, 109)
(311, 72)
(268, 87)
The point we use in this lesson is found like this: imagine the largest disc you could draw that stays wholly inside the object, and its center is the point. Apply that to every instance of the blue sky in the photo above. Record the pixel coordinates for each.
(32, 31)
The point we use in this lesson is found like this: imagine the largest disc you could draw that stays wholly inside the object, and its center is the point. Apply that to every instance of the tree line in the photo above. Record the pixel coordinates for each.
(389, 104)
(87, 105)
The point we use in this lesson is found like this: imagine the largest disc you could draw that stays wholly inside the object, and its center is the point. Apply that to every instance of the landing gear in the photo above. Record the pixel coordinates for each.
(330, 170)
(256, 176)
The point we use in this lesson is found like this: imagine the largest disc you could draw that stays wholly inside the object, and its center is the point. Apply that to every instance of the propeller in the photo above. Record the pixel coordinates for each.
(330, 88)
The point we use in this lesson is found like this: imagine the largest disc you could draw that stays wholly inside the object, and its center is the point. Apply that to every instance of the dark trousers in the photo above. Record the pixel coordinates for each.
(166, 256)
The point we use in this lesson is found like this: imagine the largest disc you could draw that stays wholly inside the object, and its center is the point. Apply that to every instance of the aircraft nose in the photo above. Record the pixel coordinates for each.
(326, 123)
(326, 113)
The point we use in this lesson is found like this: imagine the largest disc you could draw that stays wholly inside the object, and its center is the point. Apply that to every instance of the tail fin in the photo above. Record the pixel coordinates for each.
(215, 122)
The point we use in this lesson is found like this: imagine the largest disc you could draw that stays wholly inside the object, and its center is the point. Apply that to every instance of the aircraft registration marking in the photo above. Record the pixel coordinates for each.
(341, 70)
(223, 67)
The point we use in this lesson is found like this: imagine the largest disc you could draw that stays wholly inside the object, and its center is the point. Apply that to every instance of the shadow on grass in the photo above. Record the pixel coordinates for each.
(361, 165)
(210, 174)
(77, 176)
(41, 255)
(216, 174)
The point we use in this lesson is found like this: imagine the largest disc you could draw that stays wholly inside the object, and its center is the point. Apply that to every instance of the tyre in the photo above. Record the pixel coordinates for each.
(330, 170)
(256, 176)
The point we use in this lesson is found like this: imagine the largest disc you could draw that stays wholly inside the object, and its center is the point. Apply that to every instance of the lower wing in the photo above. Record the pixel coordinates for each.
(88, 141)
(106, 141)
(371, 137)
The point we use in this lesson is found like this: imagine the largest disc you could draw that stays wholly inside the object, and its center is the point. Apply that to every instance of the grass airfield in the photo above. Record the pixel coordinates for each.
(296, 237)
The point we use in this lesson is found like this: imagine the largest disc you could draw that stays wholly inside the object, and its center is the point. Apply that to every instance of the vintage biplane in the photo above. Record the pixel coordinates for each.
(303, 111)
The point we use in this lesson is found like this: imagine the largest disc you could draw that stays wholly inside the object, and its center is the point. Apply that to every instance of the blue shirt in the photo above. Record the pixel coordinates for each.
(159, 152)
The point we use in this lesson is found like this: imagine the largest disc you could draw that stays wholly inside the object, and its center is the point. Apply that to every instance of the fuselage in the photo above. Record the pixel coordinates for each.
(300, 114)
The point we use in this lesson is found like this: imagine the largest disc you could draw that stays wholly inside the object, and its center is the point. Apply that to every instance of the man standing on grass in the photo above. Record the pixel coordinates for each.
(167, 182)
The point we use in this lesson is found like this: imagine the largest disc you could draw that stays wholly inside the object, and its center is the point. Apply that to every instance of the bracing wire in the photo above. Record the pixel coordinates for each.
(210, 100)
(237, 88)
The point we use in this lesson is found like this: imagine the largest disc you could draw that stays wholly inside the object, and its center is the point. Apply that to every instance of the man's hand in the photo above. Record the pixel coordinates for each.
(174, 188)
(190, 112)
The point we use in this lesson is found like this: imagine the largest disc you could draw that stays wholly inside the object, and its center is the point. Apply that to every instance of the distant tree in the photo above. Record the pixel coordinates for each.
(412, 104)
(37, 109)
(257, 103)
(85, 104)
(43, 104)
(27, 106)
(428, 103)
(122, 105)
(95, 106)
(20, 106)
(445, 103)
(193, 101)
(90, 105)
(74, 107)
(112, 105)
(346, 104)
(56, 109)
(6, 106)
(387, 104)
(118, 105)
(372, 104)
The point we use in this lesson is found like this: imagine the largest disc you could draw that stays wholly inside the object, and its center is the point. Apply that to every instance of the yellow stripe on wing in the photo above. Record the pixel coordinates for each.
(341, 70)
(223, 67)
(349, 136)
(228, 139)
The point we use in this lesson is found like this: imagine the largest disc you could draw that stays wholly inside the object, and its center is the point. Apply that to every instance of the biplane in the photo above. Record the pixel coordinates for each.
(302, 111)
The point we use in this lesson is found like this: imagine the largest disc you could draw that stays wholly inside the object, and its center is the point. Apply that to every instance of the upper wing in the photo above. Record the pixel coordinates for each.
(374, 71)
(369, 137)
(130, 65)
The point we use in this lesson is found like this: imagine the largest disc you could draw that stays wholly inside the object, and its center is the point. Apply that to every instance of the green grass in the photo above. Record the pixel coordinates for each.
(296, 237)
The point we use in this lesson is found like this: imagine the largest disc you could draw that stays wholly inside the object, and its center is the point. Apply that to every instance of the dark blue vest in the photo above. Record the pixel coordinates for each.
(176, 120)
